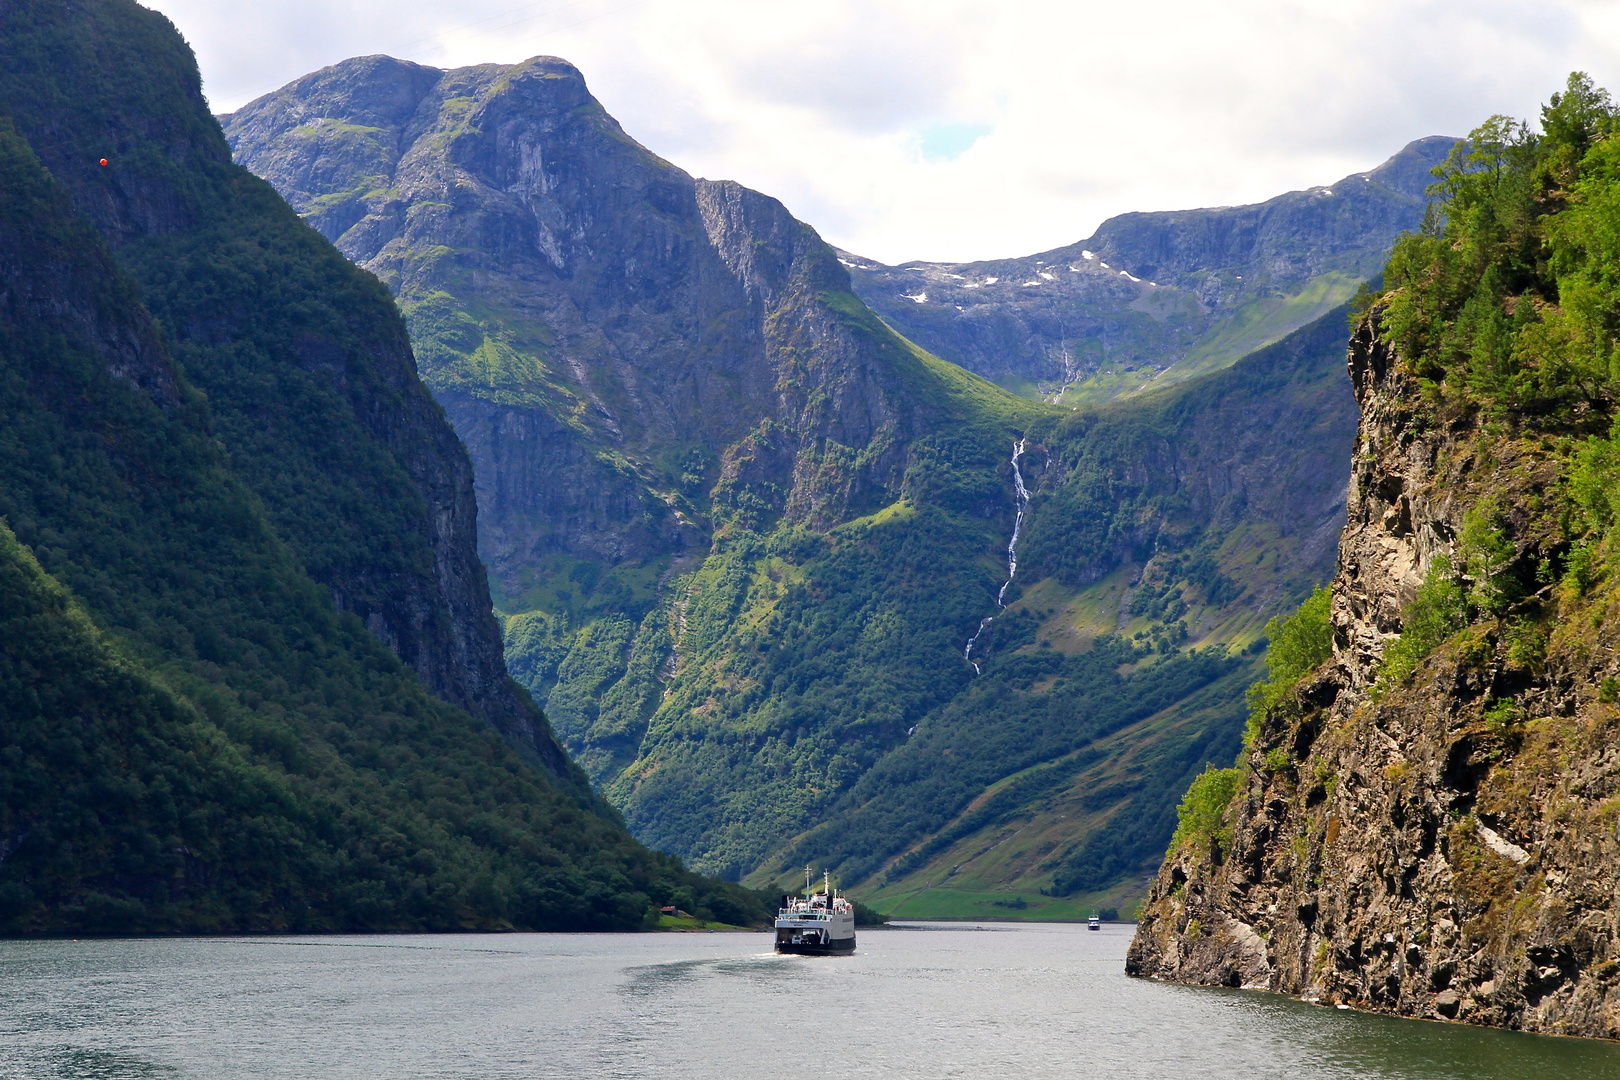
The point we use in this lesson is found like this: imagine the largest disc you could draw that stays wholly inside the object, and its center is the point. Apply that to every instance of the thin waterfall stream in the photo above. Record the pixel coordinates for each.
(1021, 495)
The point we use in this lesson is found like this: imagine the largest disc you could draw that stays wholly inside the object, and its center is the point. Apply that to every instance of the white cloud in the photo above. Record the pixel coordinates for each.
(947, 129)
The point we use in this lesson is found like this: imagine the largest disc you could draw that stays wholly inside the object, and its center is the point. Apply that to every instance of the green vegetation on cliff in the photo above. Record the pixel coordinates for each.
(1506, 300)
(1201, 815)
(1296, 646)
(1506, 308)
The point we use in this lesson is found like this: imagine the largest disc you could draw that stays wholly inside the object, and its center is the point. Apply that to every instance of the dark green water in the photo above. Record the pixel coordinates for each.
(1003, 1001)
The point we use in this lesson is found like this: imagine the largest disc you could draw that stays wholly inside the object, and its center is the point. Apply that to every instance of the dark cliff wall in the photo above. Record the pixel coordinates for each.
(1260, 446)
(307, 366)
(1443, 847)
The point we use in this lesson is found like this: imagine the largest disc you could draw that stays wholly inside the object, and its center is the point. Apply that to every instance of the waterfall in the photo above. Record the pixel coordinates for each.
(1021, 502)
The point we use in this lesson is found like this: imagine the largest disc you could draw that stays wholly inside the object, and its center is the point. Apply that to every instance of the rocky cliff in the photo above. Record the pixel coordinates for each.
(1154, 298)
(1425, 824)
(1425, 852)
(627, 352)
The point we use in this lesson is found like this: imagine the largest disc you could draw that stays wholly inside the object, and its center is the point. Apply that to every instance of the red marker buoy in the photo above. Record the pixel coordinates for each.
(104, 161)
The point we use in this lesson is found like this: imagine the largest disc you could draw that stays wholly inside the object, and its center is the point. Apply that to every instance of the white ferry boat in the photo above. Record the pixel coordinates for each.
(817, 924)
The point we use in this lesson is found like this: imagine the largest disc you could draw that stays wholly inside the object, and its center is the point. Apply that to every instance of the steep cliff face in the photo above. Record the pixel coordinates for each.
(1154, 298)
(1423, 851)
(307, 367)
(1425, 823)
(626, 350)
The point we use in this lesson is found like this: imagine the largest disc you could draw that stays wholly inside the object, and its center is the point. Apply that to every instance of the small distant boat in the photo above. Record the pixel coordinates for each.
(1094, 923)
(819, 924)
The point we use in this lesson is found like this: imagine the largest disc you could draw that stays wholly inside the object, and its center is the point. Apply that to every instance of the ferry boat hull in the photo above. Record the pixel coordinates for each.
(815, 948)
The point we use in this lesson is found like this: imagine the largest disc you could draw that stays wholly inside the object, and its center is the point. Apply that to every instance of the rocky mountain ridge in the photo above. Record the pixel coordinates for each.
(657, 346)
(1151, 299)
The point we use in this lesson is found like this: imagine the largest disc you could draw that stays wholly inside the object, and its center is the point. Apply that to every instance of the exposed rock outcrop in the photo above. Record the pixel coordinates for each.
(628, 352)
(1445, 846)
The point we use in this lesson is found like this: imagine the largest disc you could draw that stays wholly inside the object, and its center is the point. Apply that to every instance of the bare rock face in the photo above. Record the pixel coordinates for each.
(580, 307)
(1445, 848)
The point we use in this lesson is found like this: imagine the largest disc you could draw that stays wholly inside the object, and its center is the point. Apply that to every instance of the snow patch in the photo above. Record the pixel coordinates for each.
(991, 280)
(919, 298)
(1047, 276)
(1105, 266)
(1127, 274)
(1086, 255)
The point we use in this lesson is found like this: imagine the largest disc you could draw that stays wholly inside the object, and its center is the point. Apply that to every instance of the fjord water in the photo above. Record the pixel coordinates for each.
(999, 1000)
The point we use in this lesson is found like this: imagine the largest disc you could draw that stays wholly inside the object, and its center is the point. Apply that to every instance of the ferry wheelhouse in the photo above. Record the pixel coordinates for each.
(817, 924)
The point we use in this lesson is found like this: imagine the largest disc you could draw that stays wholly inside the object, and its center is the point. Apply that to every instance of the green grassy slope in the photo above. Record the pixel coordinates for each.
(194, 736)
(1065, 838)
(1253, 325)
(1179, 526)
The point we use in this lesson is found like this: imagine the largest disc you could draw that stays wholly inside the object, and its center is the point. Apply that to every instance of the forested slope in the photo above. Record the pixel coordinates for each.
(242, 621)
(306, 366)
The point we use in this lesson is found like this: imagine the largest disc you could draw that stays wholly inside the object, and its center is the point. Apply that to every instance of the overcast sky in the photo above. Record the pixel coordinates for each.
(933, 129)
